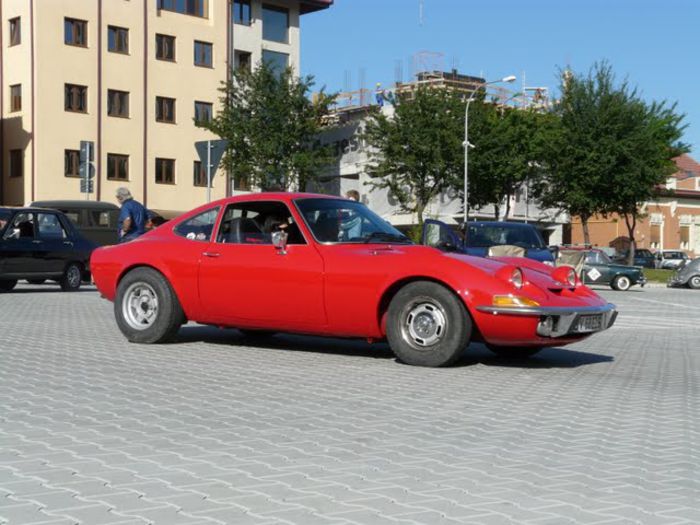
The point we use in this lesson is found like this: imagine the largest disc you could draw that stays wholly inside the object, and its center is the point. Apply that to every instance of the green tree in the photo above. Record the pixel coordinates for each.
(505, 154)
(418, 148)
(610, 149)
(272, 127)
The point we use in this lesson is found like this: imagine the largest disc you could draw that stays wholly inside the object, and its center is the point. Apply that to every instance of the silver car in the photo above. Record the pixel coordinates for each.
(687, 275)
(671, 259)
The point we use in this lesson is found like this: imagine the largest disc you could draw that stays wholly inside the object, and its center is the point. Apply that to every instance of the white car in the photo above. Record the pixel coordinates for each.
(670, 259)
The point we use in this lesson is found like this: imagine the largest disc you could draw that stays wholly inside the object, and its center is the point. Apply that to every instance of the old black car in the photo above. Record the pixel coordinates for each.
(39, 244)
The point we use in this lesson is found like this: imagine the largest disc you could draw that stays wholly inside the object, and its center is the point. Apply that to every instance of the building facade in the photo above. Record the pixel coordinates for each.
(135, 77)
(670, 223)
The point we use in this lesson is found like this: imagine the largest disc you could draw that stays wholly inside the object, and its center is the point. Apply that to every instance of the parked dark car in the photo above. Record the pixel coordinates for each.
(38, 244)
(642, 257)
(598, 268)
(687, 275)
(482, 236)
(96, 220)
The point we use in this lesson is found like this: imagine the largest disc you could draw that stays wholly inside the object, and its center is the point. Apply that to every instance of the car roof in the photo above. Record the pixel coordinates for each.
(501, 224)
(94, 205)
(30, 208)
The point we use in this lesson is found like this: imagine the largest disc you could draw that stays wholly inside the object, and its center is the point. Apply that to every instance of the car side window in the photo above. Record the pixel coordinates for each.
(22, 226)
(199, 227)
(255, 222)
(103, 219)
(50, 227)
(592, 258)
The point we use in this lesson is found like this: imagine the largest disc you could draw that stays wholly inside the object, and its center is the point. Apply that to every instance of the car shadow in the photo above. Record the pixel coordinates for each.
(476, 354)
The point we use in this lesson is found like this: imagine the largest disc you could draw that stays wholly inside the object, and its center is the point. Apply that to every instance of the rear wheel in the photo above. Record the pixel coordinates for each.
(146, 307)
(427, 325)
(514, 352)
(694, 282)
(6, 286)
(621, 283)
(72, 277)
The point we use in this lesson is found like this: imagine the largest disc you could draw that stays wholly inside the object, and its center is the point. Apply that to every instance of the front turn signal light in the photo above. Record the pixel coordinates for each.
(513, 301)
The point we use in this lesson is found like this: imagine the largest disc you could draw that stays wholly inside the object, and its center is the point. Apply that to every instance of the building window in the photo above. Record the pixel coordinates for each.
(165, 110)
(165, 171)
(200, 176)
(76, 98)
(117, 167)
(275, 24)
(202, 112)
(165, 47)
(186, 7)
(16, 163)
(118, 39)
(685, 237)
(71, 159)
(278, 62)
(655, 236)
(202, 54)
(16, 97)
(75, 32)
(240, 183)
(243, 60)
(15, 31)
(117, 103)
(241, 12)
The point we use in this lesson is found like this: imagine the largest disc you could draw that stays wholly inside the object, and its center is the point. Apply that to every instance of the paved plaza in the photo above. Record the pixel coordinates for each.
(218, 428)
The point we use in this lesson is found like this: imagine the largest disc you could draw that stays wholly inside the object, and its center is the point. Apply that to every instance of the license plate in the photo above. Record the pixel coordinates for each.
(589, 323)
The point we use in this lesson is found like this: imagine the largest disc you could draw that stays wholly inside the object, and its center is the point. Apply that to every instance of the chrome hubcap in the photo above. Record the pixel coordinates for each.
(140, 306)
(624, 283)
(73, 276)
(424, 324)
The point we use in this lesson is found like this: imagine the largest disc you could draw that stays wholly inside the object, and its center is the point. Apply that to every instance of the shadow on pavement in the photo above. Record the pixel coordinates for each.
(476, 353)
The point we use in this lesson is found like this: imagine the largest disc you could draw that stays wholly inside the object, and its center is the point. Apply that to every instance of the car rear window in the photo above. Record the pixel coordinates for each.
(486, 235)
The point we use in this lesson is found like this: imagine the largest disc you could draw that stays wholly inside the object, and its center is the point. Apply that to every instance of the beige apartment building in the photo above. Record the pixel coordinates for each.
(134, 77)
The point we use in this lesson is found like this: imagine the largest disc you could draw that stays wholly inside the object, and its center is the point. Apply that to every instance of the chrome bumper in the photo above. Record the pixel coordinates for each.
(558, 321)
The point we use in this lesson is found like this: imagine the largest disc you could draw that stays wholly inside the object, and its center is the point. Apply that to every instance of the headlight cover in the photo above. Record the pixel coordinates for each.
(566, 275)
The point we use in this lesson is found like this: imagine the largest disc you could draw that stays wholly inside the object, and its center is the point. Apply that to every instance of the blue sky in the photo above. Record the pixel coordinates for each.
(654, 43)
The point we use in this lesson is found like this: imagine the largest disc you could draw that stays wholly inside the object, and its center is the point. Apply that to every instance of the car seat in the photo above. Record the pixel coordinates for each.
(245, 231)
(26, 229)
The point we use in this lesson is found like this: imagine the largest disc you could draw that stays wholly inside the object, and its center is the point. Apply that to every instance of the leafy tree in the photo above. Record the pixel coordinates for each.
(272, 125)
(505, 154)
(418, 148)
(610, 149)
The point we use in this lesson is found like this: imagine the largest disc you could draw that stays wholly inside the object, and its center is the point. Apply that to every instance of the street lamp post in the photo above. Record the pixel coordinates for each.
(510, 78)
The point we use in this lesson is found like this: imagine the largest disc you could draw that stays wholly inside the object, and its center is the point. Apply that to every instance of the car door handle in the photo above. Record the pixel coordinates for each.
(68, 243)
(211, 254)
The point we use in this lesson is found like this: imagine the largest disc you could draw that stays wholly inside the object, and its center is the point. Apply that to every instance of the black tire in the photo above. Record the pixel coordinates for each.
(514, 352)
(694, 282)
(72, 277)
(7, 285)
(427, 325)
(36, 281)
(621, 283)
(154, 315)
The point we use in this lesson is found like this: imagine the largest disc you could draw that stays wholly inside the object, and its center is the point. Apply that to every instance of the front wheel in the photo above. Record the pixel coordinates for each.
(6, 286)
(72, 277)
(621, 283)
(694, 282)
(146, 307)
(514, 352)
(427, 325)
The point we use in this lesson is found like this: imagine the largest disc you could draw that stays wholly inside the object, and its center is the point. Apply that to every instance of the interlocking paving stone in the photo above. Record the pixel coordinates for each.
(291, 429)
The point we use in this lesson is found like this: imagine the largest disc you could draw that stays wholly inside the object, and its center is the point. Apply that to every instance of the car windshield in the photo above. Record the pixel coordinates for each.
(346, 221)
(487, 235)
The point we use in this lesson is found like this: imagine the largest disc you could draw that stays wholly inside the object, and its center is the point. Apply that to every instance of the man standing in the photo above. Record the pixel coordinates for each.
(132, 218)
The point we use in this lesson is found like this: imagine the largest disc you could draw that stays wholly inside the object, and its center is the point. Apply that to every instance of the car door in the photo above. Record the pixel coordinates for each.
(439, 235)
(21, 251)
(595, 271)
(54, 242)
(245, 281)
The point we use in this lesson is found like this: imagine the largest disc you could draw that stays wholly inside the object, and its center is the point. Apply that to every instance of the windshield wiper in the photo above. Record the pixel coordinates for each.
(386, 236)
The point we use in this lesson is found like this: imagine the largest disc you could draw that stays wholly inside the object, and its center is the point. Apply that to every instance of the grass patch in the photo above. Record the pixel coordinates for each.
(657, 276)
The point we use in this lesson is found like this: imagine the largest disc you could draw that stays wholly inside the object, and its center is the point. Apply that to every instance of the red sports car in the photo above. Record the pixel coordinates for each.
(314, 264)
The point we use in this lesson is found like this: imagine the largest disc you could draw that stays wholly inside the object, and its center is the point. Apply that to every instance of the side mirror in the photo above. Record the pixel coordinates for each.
(279, 241)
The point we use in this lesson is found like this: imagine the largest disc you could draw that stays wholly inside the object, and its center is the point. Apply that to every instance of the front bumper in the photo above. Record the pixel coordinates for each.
(560, 321)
